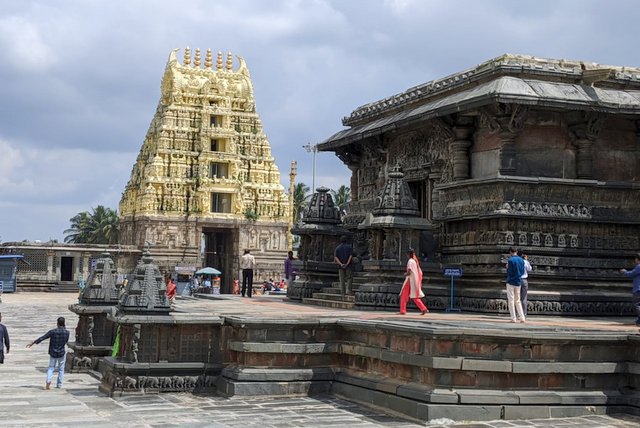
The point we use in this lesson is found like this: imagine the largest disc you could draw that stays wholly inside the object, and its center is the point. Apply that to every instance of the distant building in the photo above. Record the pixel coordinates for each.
(53, 266)
(205, 185)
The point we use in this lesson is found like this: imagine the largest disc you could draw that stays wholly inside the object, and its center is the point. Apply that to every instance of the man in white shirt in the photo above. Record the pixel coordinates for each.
(247, 264)
(524, 287)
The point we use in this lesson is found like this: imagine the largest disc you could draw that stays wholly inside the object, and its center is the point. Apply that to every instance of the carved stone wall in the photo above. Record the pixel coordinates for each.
(572, 229)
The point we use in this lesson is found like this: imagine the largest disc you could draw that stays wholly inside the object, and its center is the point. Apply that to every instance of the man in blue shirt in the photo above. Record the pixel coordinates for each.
(515, 270)
(58, 338)
(343, 257)
(635, 274)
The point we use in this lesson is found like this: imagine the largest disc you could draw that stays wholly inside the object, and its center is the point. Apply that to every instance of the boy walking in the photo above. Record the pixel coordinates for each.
(58, 338)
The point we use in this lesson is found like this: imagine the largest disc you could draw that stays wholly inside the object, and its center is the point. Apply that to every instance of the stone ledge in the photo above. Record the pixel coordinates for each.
(229, 388)
(278, 375)
(284, 348)
(486, 365)
(568, 367)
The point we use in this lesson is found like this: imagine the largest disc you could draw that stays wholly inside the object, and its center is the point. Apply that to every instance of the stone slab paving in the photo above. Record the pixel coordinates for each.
(24, 402)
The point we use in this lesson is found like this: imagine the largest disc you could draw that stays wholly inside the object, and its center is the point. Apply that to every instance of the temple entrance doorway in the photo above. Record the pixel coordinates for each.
(218, 254)
(66, 268)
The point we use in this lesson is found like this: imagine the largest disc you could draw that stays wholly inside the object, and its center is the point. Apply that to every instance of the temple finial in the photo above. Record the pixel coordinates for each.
(229, 61)
(219, 61)
(208, 60)
(196, 61)
(187, 56)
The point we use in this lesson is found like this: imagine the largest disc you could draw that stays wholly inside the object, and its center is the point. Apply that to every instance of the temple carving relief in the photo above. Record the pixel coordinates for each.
(513, 152)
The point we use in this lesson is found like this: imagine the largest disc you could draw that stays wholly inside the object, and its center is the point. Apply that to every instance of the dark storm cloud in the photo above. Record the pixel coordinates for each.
(80, 80)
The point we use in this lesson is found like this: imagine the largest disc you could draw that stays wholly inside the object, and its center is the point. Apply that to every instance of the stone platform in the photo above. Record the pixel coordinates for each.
(476, 367)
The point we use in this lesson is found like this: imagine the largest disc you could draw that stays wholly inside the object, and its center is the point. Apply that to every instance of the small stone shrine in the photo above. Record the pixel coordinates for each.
(94, 332)
(394, 227)
(320, 231)
(157, 350)
(541, 154)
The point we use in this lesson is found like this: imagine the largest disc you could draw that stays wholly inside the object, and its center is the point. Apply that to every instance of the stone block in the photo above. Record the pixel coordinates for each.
(486, 365)
(279, 335)
(537, 397)
(573, 367)
(604, 352)
(526, 412)
(452, 363)
(586, 397)
(574, 411)
(249, 389)
(279, 374)
(420, 392)
(409, 344)
(463, 413)
(486, 396)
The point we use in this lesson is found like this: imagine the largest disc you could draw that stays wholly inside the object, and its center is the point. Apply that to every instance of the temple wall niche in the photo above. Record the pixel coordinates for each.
(544, 151)
(484, 154)
(616, 153)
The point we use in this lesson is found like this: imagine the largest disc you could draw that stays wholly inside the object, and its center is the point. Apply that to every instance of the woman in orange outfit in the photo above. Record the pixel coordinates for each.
(412, 287)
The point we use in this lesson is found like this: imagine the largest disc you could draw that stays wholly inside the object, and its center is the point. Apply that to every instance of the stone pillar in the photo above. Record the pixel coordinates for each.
(435, 208)
(584, 159)
(460, 148)
(50, 267)
(354, 181)
(508, 153)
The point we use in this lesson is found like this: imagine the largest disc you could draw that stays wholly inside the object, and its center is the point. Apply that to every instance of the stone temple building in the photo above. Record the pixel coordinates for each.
(205, 185)
(541, 154)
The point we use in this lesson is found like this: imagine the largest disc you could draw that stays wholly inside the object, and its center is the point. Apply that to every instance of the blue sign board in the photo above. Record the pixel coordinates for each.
(452, 272)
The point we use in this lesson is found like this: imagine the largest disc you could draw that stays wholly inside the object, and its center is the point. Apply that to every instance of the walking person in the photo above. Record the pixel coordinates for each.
(635, 275)
(288, 269)
(247, 264)
(171, 291)
(4, 340)
(515, 270)
(58, 338)
(524, 287)
(412, 286)
(343, 257)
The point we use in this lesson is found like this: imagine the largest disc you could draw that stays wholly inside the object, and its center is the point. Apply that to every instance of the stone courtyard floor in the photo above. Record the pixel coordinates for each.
(24, 402)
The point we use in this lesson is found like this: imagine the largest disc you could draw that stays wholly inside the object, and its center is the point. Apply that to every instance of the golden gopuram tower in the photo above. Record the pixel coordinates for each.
(205, 185)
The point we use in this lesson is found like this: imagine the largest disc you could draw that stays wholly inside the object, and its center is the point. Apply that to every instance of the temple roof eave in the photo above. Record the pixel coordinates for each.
(508, 90)
(395, 222)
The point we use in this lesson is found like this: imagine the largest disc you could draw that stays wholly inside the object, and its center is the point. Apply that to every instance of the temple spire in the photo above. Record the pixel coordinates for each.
(219, 61)
(208, 60)
(196, 61)
(187, 56)
(229, 61)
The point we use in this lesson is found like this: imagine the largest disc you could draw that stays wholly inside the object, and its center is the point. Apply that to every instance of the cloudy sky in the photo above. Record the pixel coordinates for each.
(80, 79)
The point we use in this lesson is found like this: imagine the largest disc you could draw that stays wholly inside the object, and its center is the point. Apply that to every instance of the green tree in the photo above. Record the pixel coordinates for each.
(301, 198)
(98, 227)
(342, 197)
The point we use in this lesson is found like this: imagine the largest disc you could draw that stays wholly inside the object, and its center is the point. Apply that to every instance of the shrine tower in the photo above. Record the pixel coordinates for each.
(205, 185)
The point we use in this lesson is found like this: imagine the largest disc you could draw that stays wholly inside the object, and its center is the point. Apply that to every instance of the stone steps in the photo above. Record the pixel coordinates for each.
(335, 304)
(334, 297)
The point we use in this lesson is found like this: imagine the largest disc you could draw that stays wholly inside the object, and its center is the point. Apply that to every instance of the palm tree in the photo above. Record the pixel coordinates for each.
(342, 198)
(301, 198)
(98, 227)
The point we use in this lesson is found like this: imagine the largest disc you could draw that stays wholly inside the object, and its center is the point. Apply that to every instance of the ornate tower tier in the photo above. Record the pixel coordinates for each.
(205, 175)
